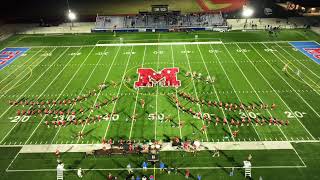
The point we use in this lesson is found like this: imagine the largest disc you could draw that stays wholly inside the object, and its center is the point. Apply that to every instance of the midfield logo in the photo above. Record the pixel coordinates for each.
(167, 77)
(313, 51)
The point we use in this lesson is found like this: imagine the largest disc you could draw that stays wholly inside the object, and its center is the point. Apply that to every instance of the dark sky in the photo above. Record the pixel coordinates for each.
(54, 8)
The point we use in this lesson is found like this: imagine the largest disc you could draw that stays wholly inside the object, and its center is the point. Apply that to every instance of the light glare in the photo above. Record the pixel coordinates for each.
(247, 12)
(72, 15)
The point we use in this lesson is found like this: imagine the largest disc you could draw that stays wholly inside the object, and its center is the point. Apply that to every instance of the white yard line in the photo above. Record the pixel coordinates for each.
(26, 92)
(298, 61)
(207, 92)
(136, 99)
(65, 87)
(196, 93)
(15, 157)
(233, 86)
(118, 93)
(29, 108)
(160, 43)
(299, 157)
(105, 79)
(157, 93)
(20, 79)
(215, 91)
(302, 72)
(176, 91)
(274, 89)
(16, 69)
(287, 81)
(252, 85)
(167, 43)
(318, 86)
(85, 84)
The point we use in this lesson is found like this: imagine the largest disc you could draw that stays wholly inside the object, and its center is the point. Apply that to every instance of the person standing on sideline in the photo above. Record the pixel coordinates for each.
(79, 173)
(162, 166)
(144, 166)
(187, 174)
(129, 168)
(198, 177)
(231, 172)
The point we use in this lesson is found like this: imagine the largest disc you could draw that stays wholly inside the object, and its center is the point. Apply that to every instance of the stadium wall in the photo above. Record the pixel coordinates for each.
(7, 30)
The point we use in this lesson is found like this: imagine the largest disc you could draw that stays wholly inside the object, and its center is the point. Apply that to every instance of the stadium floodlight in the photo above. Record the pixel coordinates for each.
(247, 11)
(72, 16)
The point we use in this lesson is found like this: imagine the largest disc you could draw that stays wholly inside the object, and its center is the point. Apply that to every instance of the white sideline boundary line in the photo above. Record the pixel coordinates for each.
(293, 141)
(182, 168)
(168, 43)
(161, 43)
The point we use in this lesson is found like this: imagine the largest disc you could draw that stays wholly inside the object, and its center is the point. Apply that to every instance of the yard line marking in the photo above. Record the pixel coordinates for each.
(171, 93)
(214, 89)
(254, 89)
(246, 111)
(160, 43)
(297, 93)
(298, 60)
(122, 80)
(176, 91)
(296, 68)
(15, 157)
(20, 78)
(26, 91)
(123, 169)
(287, 81)
(195, 90)
(105, 79)
(136, 99)
(57, 97)
(299, 157)
(85, 84)
(22, 65)
(273, 88)
(157, 92)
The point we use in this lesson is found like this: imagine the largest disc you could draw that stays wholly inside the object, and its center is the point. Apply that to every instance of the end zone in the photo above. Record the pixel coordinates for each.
(8, 55)
(310, 49)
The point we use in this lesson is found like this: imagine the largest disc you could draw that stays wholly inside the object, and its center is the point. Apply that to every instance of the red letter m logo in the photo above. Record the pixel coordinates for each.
(314, 51)
(166, 78)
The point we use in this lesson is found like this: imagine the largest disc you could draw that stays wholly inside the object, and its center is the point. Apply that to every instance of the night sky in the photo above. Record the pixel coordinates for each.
(56, 8)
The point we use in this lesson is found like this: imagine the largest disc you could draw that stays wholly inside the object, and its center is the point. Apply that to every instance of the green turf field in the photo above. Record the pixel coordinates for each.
(247, 67)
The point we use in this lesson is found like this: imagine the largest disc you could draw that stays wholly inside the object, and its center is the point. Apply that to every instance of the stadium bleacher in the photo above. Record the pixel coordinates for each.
(162, 21)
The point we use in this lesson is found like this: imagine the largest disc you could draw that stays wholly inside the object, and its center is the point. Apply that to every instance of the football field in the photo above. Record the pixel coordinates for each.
(253, 80)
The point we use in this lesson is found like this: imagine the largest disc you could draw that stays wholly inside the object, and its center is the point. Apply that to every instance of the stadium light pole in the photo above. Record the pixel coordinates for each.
(71, 16)
(247, 12)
